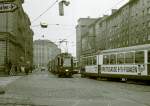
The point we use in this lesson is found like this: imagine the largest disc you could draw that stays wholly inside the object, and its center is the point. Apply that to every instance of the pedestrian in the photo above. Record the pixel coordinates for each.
(27, 69)
(9, 65)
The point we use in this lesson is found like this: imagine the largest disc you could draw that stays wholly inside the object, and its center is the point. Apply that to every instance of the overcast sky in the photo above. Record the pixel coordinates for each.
(66, 28)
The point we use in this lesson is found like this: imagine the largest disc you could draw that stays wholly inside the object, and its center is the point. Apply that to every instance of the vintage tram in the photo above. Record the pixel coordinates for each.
(62, 65)
(122, 63)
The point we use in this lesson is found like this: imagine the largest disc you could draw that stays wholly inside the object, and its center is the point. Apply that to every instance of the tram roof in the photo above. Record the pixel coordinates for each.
(131, 48)
(64, 54)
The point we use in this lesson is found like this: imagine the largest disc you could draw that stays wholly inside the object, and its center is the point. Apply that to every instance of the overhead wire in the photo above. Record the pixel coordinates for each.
(45, 11)
(54, 25)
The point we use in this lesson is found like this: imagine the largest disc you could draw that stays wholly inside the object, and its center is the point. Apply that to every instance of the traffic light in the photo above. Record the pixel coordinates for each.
(61, 6)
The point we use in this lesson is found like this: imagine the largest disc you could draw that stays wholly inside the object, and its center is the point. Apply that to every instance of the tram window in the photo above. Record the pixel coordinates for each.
(139, 57)
(71, 62)
(106, 59)
(84, 61)
(58, 61)
(129, 57)
(149, 56)
(90, 60)
(113, 59)
(120, 58)
(87, 62)
(62, 61)
(94, 60)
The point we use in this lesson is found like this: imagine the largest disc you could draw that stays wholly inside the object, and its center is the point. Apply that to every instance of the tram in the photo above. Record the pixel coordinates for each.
(123, 63)
(62, 65)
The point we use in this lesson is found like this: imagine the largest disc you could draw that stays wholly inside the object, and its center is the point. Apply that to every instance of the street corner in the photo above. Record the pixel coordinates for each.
(4, 81)
(2, 90)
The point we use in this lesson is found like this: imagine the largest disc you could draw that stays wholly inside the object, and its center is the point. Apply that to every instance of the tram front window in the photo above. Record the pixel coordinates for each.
(67, 62)
(139, 57)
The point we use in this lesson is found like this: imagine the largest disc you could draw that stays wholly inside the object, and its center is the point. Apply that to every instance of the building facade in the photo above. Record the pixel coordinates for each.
(16, 37)
(127, 26)
(44, 51)
(81, 29)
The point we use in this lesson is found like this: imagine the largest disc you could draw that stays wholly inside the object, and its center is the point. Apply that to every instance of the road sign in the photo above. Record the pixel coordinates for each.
(7, 7)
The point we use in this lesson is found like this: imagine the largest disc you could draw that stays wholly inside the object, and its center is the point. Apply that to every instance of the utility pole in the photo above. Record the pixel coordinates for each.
(64, 41)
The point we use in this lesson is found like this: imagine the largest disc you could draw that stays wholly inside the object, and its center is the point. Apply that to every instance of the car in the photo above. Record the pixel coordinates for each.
(42, 68)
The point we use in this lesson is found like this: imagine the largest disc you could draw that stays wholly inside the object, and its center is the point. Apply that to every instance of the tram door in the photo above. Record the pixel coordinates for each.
(148, 67)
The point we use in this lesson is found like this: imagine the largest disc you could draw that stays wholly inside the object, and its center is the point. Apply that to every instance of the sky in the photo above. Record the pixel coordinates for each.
(63, 27)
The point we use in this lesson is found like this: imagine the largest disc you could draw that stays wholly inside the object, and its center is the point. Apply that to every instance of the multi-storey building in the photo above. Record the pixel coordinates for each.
(81, 29)
(44, 51)
(127, 26)
(16, 37)
(88, 40)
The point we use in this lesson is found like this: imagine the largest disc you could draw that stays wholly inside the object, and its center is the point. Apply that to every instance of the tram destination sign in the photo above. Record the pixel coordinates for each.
(7, 7)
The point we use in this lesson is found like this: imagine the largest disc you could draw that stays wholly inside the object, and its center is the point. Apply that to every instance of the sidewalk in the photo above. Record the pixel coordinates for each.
(4, 81)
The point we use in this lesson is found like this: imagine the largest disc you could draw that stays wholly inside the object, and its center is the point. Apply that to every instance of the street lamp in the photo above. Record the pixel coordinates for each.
(43, 25)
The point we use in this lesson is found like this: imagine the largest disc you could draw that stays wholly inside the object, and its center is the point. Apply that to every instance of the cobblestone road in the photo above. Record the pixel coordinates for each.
(45, 89)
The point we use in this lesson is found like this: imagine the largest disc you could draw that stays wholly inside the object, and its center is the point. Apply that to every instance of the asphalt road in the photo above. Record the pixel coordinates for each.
(45, 89)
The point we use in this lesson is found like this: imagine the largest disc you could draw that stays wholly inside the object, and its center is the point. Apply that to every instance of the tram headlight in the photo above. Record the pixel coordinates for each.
(66, 70)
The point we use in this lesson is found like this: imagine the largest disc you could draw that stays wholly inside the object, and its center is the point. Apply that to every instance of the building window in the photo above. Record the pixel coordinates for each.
(137, 40)
(148, 10)
(110, 39)
(148, 23)
(143, 12)
(127, 42)
(148, 37)
(100, 24)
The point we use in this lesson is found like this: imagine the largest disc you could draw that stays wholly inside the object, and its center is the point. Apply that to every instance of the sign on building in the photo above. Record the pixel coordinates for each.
(7, 7)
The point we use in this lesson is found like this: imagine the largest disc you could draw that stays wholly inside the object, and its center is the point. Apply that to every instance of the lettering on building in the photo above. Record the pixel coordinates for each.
(7, 7)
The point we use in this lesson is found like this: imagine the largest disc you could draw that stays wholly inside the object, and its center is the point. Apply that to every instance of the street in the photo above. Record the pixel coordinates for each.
(46, 89)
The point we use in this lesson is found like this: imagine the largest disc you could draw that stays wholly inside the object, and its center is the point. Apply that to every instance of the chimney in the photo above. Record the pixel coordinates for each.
(113, 10)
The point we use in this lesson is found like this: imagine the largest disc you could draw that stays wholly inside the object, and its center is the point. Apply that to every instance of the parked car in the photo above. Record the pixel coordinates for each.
(43, 69)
